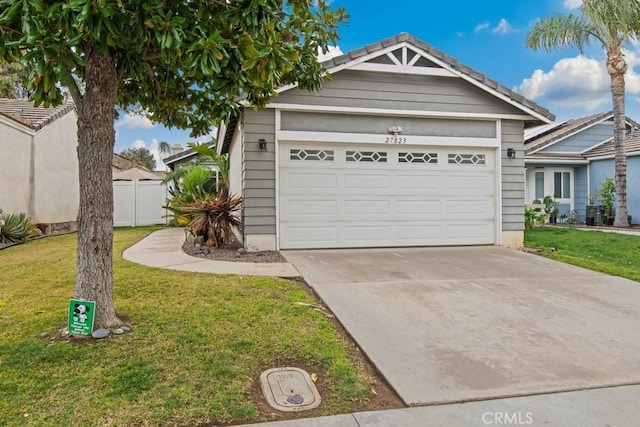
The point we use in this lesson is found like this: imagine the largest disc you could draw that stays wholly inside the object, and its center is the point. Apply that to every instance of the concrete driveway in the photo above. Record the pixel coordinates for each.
(455, 324)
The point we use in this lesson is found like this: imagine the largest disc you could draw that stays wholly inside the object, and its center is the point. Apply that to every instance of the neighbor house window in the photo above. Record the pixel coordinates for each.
(562, 185)
(540, 185)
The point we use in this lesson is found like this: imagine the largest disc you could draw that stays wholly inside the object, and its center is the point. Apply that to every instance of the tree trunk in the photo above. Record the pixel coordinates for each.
(617, 67)
(96, 138)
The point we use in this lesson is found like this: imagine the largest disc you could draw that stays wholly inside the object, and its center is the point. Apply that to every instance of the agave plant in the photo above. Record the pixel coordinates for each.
(215, 218)
(16, 228)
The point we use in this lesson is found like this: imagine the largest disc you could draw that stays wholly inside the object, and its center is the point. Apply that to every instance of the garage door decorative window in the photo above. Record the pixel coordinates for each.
(418, 158)
(466, 159)
(367, 156)
(306, 154)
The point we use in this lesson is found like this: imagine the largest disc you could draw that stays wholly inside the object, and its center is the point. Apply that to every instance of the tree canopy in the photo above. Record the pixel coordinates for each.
(186, 62)
(141, 155)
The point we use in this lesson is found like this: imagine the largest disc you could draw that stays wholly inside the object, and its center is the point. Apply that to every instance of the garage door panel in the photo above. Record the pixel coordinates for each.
(403, 201)
(365, 208)
(307, 208)
(302, 236)
(362, 233)
(295, 181)
(366, 181)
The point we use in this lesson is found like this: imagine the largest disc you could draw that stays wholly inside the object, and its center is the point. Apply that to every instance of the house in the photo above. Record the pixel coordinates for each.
(38, 165)
(570, 160)
(39, 168)
(403, 146)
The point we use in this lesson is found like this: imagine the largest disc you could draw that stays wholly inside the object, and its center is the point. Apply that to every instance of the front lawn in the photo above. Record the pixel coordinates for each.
(611, 253)
(198, 346)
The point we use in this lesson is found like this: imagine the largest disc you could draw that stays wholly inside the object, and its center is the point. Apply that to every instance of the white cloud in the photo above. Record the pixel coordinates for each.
(481, 26)
(572, 4)
(503, 27)
(135, 121)
(331, 53)
(579, 82)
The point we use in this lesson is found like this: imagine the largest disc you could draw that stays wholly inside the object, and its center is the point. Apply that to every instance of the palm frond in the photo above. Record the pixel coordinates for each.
(558, 31)
(616, 21)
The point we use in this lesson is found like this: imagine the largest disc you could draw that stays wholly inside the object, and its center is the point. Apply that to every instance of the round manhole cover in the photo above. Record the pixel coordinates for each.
(296, 399)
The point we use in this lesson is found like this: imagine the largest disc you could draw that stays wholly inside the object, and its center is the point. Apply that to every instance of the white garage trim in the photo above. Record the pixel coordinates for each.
(347, 195)
(359, 138)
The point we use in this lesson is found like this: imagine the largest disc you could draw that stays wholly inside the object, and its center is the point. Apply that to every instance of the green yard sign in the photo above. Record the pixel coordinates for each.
(81, 314)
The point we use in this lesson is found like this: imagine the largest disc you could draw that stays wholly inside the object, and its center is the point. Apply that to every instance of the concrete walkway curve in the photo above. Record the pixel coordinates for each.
(163, 249)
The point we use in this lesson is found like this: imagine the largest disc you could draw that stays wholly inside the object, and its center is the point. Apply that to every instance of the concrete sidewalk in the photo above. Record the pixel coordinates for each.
(163, 249)
(614, 407)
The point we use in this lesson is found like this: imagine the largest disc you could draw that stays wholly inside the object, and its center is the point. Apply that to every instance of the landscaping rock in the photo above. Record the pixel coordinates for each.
(241, 251)
(118, 331)
(44, 335)
(125, 329)
(100, 333)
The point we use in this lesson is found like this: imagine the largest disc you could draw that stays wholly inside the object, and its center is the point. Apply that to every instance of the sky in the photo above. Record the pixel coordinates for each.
(486, 36)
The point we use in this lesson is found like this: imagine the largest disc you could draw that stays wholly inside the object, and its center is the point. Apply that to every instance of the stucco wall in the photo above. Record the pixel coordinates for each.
(602, 169)
(56, 188)
(15, 169)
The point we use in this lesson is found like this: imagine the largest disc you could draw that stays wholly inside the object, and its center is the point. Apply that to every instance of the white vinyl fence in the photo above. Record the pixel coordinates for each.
(139, 202)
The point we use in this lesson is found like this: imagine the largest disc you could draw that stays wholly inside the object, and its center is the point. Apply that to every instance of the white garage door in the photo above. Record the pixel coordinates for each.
(338, 195)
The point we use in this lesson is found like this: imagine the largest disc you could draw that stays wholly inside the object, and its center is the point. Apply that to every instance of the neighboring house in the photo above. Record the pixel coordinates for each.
(403, 146)
(38, 165)
(570, 160)
(180, 157)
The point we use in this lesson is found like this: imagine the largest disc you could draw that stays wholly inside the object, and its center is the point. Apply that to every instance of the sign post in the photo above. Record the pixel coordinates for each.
(81, 315)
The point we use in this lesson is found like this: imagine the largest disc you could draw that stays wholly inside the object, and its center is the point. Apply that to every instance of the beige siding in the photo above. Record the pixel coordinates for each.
(258, 173)
(513, 176)
(15, 170)
(56, 190)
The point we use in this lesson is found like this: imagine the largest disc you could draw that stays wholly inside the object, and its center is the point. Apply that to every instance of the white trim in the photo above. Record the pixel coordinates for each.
(535, 150)
(16, 125)
(365, 138)
(539, 161)
(498, 185)
(403, 69)
(599, 144)
(391, 112)
(352, 63)
(277, 173)
(613, 156)
(222, 130)
(393, 58)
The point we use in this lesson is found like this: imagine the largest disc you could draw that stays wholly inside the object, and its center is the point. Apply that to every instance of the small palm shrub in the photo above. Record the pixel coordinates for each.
(15, 228)
(215, 218)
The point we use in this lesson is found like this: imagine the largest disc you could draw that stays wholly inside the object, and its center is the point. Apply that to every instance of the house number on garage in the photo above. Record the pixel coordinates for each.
(395, 140)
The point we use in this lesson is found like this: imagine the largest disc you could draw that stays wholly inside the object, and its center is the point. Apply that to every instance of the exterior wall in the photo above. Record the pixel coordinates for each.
(581, 191)
(512, 178)
(55, 164)
(601, 169)
(235, 161)
(366, 89)
(259, 180)
(15, 170)
(351, 123)
(584, 139)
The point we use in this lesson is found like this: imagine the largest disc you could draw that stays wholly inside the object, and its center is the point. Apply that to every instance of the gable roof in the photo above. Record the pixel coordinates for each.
(631, 146)
(536, 139)
(435, 59)
(23, 112)
(184, 154)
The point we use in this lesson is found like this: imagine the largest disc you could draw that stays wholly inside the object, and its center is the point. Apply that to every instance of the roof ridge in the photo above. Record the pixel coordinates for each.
(442, 56)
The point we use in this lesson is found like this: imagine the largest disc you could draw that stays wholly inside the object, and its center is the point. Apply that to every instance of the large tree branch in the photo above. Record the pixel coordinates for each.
(76, 95)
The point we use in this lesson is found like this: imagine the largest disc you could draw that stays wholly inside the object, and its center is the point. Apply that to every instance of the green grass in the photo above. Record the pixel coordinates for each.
(611, 253)
(198, 346)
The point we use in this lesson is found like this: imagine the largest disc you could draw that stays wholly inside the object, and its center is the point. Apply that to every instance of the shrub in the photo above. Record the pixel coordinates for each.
(214, 218)
(16, 228)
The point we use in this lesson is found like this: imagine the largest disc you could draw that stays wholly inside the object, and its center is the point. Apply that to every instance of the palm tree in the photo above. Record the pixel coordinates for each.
(612, 23)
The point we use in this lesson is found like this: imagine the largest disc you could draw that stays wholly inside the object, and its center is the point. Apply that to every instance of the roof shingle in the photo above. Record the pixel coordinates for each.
(23, 112)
